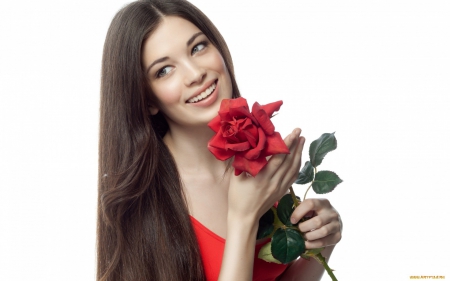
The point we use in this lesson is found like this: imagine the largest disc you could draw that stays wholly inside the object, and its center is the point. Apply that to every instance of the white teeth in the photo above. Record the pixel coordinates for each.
(204, 94)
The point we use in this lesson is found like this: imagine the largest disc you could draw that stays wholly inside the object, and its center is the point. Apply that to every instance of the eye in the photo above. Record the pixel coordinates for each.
(200, 46)
(163, 71)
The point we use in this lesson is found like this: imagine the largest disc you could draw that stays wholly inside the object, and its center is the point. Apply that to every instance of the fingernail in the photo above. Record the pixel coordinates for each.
(293, 221)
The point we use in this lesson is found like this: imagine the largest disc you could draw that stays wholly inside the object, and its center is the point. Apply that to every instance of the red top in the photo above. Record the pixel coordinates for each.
(212, 247)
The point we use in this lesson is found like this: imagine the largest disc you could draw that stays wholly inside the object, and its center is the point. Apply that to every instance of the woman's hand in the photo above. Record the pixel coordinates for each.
(250, 197)
(324, 229)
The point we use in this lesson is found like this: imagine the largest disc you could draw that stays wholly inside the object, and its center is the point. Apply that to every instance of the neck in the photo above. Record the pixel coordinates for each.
(188, 146)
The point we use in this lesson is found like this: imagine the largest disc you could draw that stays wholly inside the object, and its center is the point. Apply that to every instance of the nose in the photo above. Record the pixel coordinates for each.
(194, 73)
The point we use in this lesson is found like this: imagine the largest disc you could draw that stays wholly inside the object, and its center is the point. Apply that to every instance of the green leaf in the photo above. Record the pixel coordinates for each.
(320, 147)
(266, 254)
(306, 175)
(325, 182)
(265, 227)
(287, 245)
(285, 209)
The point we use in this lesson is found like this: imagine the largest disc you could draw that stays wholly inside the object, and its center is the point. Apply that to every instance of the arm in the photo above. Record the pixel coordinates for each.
(238, 256)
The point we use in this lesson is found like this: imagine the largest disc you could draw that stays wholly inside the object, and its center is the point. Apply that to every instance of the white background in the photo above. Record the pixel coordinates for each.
(376, 72)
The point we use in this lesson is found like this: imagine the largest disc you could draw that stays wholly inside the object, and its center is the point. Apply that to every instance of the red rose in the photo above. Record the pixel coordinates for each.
(249, 137)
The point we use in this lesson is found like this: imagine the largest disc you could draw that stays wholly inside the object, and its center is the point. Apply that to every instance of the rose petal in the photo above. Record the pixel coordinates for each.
(275, 145)
(225, 116)
(263, 119)
(214, 124)
(218, 140)
(238, 102)
(217, 147)
(255, 152)
(232, 139)
(224, 110)
(227, 107)
(270, 108)
(248, 132)
(250, 135)
(251, 166)
(248, 122)
(242, 112)
(241, 146)
(221, 154)
(229, 129)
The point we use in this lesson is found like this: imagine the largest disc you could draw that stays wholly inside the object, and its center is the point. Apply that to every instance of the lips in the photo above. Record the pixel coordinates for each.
(203, 93)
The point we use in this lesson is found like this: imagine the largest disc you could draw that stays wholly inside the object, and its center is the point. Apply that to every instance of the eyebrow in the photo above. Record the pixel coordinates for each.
(189, 42)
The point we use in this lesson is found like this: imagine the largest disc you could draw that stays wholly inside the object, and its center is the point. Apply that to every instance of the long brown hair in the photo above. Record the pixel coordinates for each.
(143, 228)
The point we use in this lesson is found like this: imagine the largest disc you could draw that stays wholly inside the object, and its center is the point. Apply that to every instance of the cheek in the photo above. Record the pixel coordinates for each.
(217, 63)
(167, 92)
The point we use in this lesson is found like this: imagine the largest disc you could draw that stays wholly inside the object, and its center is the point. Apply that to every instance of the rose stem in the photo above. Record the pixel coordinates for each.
(318, 257)
(304, 197)
(294, 198)
(315, 171)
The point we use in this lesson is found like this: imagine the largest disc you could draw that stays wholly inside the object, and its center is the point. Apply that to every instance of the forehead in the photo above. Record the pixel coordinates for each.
(171, 34)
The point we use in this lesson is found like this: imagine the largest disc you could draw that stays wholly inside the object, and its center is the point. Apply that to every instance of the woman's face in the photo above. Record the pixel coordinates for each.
(186, 73)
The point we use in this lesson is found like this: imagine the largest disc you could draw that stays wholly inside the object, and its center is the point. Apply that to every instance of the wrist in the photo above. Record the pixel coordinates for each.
(237, 262)
(239, 220)
(243, 226)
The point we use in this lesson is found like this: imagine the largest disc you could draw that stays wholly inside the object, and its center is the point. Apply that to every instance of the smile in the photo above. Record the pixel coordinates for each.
(204, 94)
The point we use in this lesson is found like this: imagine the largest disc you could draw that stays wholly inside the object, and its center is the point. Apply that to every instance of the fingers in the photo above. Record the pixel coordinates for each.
(276, 161)
(329, 240)
(288, 173)
(318, 221)
(262, 188)
(308, 205)
(324, 229)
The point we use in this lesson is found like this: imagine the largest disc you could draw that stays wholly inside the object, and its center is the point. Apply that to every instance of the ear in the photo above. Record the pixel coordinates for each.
(153, 110)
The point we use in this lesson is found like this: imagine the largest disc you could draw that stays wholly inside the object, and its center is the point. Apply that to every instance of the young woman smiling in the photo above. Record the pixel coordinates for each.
(168, 209)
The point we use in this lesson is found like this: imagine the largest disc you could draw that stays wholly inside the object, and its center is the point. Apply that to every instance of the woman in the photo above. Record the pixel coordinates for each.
(165, 70)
